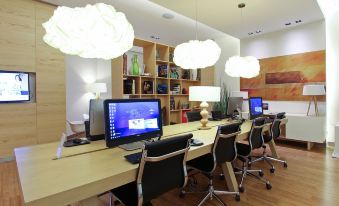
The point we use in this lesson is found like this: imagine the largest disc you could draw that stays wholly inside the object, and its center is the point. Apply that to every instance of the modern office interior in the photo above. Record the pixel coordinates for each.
(169, 102)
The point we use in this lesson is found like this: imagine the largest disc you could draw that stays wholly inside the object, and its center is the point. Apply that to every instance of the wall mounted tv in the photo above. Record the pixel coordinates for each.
(14, 86)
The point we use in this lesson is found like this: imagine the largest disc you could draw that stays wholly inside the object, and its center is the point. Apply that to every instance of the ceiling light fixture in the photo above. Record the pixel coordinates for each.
(155, 37)
(93, 31)
(168, 16)
(196, 54)
(246, 67)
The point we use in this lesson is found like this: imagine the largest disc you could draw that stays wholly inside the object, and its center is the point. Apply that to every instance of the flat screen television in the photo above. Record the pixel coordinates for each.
(131, 120)
(14, 86)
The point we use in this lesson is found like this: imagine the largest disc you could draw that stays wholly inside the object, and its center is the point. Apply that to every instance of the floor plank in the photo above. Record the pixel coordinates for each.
(312, 178)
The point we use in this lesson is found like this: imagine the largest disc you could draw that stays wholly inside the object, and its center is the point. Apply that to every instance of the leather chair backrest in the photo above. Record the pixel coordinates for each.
(163, 166)
(193, 116)
(256, 135)
(224, 148)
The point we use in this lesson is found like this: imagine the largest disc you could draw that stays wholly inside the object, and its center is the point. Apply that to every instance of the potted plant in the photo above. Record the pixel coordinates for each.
(223, 104)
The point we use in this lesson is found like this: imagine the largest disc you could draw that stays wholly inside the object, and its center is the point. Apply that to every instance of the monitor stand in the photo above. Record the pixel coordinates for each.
(132, 146)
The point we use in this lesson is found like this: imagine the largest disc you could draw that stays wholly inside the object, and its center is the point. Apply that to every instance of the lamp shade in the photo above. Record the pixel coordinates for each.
(93, 31)
(204, 93)
(242, 94)
(196, 54)
(245, 67)
(97, 88)
(314, 90)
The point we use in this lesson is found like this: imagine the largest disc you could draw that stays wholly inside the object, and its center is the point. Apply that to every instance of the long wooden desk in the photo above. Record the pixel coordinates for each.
(88, 170)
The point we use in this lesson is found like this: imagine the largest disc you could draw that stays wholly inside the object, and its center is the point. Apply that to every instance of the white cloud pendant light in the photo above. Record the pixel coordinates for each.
(196, 54)
(246, 67)
(94, 31)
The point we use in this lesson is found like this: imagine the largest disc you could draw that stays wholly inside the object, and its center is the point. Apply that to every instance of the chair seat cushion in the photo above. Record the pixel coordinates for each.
(267, 138)
(243, 149)
(128, 193)
(203, 163)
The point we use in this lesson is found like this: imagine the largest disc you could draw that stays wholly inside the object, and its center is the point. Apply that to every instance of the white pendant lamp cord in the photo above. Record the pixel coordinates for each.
(196, 19)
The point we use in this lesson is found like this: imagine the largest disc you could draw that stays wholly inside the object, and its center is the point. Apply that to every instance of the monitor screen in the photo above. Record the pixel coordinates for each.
(256, 109)
(130, 120)
(14, 86)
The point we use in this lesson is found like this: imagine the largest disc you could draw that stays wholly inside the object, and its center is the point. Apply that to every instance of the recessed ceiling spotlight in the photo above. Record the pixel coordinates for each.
(155, 37)
(258, 31)
(168, 16)
(288, 24)
(298, 21)
(250, 33)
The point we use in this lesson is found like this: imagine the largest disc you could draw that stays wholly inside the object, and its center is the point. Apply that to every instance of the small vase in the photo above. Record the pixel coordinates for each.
(135, 65)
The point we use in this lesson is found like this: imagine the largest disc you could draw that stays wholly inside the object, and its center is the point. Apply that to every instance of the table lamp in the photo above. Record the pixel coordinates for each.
(204, 94)
(97, 88)
(313, 90)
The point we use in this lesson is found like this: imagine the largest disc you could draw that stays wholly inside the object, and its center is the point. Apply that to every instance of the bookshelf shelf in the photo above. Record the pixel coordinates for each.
(154, 55)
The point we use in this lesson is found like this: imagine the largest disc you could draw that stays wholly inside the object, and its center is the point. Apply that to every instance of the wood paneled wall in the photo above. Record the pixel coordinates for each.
(22, 49)
(282, 78)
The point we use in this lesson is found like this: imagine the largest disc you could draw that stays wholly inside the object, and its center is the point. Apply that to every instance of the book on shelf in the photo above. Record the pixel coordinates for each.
(175, 89)
(129, 86)
(162, 70)
(174, 72)
(162, 89)
(172, 103)
(148, 87)
(185, 74)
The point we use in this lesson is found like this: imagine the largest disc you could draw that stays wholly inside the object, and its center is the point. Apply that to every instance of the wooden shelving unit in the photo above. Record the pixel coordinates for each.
(155, 54)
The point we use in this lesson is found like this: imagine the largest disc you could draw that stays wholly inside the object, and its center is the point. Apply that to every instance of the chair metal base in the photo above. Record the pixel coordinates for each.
(267, 159)
(244, 171)
(211, 192)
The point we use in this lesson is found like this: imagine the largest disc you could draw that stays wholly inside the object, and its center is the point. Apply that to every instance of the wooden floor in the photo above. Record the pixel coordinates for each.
(312, 178)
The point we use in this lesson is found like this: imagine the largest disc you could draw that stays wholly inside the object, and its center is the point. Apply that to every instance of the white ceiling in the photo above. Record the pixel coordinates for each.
(266, 15)
(216, 17)
(146, 18)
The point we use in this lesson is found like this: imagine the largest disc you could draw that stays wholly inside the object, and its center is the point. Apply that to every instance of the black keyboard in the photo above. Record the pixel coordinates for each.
(134, 158)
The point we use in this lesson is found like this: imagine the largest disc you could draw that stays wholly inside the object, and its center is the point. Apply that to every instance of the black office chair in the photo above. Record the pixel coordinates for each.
(161, 169)
(193, 116)
(274, 134)
(223, 150)
(256, 141)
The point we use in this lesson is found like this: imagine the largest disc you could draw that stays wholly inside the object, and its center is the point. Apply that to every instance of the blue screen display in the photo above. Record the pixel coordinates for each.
(256, 106)
(132, 118)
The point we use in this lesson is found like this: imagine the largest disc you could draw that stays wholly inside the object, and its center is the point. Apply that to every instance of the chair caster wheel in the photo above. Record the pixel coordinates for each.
(272, 170)
(268, 186)
(285, 164)
(237, 198)
(221, 177)
(261, 173)
(241, 189)
(182, 194)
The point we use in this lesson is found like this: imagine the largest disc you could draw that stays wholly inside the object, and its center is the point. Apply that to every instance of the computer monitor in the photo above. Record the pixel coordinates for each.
(131, 120)
(255, 104)
(96, 120)
(234, 104)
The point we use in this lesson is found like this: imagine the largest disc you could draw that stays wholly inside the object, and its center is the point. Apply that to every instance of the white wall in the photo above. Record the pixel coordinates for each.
(230, 46)
(79, 73)
(299, 39)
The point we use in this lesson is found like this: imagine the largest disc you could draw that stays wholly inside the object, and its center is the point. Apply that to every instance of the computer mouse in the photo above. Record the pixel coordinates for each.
(76, 141)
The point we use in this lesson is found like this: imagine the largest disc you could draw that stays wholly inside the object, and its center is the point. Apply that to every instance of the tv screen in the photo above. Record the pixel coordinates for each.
(14, 86)
(132, 120)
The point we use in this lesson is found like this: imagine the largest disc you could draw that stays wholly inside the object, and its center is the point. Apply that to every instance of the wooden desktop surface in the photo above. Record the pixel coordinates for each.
(87, 170)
